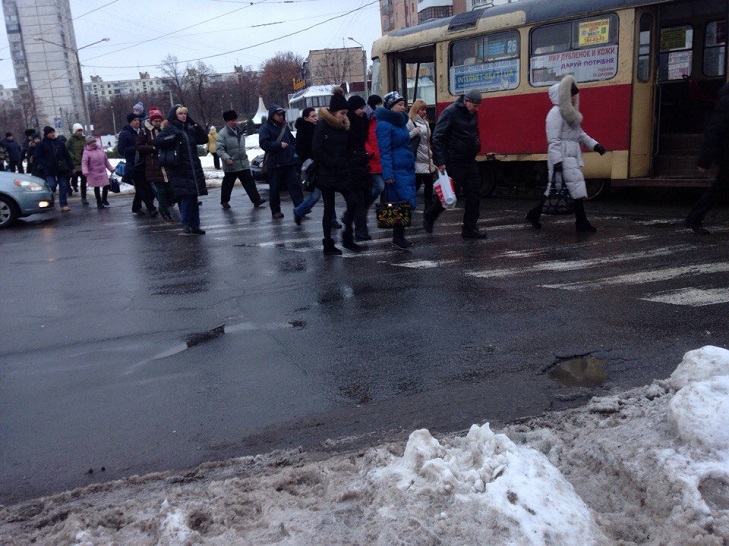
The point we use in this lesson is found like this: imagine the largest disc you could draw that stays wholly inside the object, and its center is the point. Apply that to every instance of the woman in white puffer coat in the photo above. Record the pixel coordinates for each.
(565, 138)
(420, 128)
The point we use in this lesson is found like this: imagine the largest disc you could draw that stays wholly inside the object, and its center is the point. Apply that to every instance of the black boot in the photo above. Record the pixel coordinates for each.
(582, 225)
(329, 248)
(398, 238)
(104, 196)
(348, 241)
(535, 214)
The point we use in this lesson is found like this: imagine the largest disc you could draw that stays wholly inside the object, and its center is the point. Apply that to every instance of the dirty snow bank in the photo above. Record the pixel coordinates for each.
(647, 466)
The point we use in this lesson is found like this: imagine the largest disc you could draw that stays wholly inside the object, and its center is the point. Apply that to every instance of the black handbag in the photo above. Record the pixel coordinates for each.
(309, 174)
(414, 143)
(559, 200)
(114, 184)
(169, 157)
(393, 213)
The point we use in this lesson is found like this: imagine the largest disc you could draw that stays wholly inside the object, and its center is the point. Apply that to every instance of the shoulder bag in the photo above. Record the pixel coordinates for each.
(169, 157)
(114, 184)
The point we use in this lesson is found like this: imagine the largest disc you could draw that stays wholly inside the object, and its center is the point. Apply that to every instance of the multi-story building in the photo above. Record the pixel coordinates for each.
(100, 91)
(10, 94)
(45, 59)
(397, 14)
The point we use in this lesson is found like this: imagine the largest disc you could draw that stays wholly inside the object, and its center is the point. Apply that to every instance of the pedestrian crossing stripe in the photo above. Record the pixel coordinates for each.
(570, 265)
(643, 277)
(692, 297)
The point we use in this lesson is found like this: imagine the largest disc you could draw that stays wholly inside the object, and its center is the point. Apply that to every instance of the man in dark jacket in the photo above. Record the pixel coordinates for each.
(455, 144)
(53, 159)
(277, 141)
(127, 147)
(14, 153)
(715, 149)
(26, 153)
(230, 147)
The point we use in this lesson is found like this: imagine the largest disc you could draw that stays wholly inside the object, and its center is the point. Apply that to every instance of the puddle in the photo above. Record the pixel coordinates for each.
(580, 372)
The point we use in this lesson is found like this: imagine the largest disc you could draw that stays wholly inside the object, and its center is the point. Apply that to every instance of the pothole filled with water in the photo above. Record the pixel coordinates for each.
(583, 371)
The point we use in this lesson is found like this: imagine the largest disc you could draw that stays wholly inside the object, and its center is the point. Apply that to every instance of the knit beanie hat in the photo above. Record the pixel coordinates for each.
(392, 98)
(132, 116)
(230, 115)
(139, 106)
(338, 102)
(155, 113)
(355, 102)
(374, 101)
(76, 127)
(47, 130)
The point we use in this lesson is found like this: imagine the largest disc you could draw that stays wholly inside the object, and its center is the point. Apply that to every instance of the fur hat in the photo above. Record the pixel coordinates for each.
(355, 102)
(374, 101)
(473, 96)
(392, 98)
(131, 117)
(338, 102)
(47, 130)
(230, 115)
(155, 113)
(76, 127)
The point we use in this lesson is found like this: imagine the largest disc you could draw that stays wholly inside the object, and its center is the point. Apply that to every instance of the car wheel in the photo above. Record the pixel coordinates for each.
(8, 212)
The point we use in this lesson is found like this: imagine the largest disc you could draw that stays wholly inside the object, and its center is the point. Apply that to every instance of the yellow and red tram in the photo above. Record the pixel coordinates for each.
(648, 72)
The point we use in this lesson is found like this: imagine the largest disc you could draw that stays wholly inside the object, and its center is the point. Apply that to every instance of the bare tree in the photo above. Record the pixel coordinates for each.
(176, 76)
(277, 78)
(202, 102)
(334, 67)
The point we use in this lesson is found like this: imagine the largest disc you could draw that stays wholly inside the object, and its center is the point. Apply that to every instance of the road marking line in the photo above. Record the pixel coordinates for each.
(424, 264)
(692, 297)
(545, 250)
(643, 277)
(569, 265)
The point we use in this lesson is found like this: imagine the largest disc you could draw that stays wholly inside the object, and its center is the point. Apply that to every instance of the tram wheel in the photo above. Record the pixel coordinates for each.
(596, 187)
(490, 175)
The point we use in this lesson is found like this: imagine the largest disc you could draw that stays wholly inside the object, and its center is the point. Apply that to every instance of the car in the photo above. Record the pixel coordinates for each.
(22, 195)
(257, 167)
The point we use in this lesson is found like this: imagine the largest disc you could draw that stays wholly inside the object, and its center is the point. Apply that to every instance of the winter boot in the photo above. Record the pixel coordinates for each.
(348, 241)
(398, 238)
(582, 225)
(535, 214)
(329, 248)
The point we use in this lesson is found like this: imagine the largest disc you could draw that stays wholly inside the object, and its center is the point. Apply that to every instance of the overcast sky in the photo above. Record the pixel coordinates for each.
(207, 30)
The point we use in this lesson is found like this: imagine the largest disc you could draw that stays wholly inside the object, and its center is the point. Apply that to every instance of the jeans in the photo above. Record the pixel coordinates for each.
(189, 211)
(280, 177)
(60, 181)
(378, 186)
(246, 179)
(307, 204)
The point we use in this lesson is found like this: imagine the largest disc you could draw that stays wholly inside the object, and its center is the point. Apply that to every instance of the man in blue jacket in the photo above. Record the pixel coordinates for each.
(276, 140)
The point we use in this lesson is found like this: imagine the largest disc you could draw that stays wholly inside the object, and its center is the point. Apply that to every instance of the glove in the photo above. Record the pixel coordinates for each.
(599, 149)
(557, 167)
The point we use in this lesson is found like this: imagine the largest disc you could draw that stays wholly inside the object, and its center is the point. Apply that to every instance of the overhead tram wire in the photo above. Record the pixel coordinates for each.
(242, 48)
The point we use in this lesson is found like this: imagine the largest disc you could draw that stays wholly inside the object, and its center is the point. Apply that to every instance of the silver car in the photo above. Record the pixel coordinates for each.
(22, 195)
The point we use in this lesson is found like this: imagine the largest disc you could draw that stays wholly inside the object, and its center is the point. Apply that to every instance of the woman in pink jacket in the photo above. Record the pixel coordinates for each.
(94, 165)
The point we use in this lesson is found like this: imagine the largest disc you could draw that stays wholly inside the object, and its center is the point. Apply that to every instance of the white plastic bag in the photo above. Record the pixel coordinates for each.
(445, 190)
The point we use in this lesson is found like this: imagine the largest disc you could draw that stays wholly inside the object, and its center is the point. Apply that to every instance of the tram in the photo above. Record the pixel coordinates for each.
(648, 72)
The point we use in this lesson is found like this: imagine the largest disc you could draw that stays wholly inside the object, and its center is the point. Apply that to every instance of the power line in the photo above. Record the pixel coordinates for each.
(247, 47)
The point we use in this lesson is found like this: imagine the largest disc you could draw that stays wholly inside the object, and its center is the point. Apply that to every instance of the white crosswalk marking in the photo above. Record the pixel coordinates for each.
(693, 297)
(642, 277)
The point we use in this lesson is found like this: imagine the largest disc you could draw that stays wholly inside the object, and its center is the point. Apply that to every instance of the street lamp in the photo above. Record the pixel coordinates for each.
(364, 65)
(85, 106)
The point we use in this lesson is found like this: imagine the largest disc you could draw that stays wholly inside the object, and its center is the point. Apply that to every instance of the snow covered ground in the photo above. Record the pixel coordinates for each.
(646, 466)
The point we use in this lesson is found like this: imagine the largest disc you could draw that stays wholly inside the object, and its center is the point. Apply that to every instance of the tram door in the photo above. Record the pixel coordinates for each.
(691, 49)
(412, 74)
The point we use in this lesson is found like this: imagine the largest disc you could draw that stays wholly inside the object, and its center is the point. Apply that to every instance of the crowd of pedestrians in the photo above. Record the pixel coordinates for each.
(364, 150)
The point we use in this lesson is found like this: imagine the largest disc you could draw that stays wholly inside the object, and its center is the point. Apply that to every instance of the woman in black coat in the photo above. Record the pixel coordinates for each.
(186, 176)
(332, 149)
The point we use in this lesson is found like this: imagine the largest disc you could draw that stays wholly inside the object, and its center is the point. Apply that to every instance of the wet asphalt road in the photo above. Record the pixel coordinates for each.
(99, 307)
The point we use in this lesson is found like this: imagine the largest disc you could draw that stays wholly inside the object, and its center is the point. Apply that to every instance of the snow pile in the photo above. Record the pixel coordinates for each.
(646, 466)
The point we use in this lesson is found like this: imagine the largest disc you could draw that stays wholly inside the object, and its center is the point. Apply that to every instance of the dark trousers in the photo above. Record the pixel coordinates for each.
(361, 198)
(16, 165)
(165, 197)
(326, 221)
(246, 179)
(216, 160)
(189, 211)
(426, 181)
(717, 193)
(74, 182)
(284, 177)
(466, 176)
(142, 192)
(101, 194)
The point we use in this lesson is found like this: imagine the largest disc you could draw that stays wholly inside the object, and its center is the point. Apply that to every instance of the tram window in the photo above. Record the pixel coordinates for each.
(715, 49)
(487, 63)
(586, 48)
(644, 47)
(676, 52)
(425, 88)
(376, 78)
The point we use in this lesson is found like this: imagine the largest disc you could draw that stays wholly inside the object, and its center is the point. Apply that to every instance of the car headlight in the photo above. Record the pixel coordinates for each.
(28, 185)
